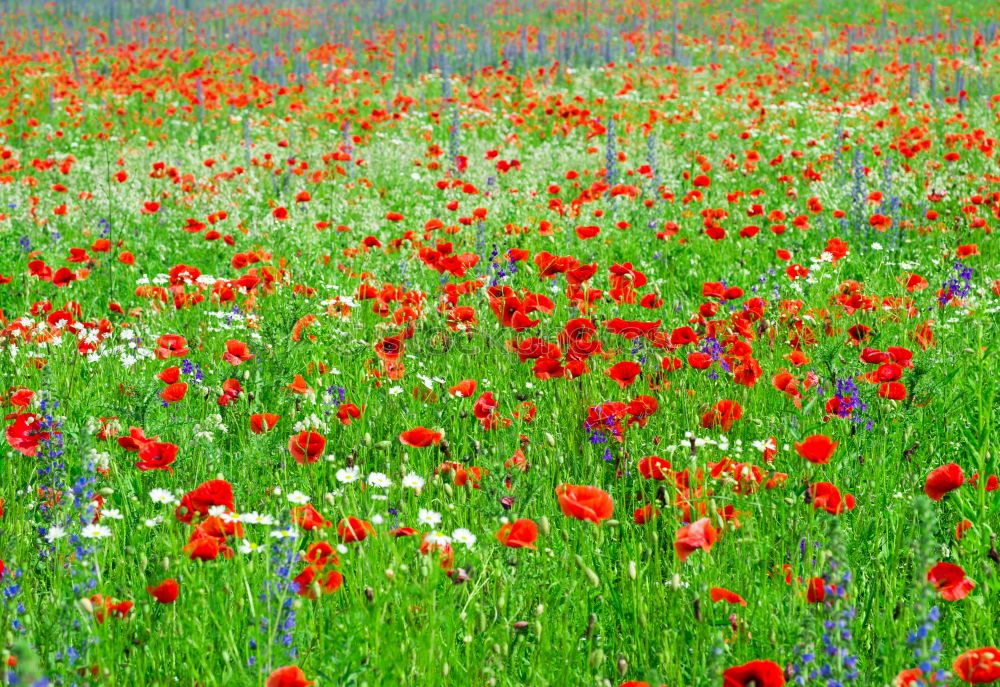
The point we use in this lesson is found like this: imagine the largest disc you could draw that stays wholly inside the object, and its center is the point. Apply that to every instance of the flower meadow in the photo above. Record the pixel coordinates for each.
(618, 344)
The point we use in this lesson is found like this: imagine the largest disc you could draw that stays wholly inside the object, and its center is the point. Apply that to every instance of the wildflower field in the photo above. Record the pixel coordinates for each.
(499, 342)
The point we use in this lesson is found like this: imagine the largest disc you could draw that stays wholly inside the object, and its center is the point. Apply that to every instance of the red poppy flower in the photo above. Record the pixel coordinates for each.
(263, 422)
(654, 467)
(308, 518)
(754, 674)
(723, 414)
(215, 492)
(171, 346)
(817, 448)
(174, 392)
(961, 528)
(912, 677)
(718, 594)
(327, 583)
(288, 676)
(135, 439)
(978, 666)
(584, 502)
(320, 554)
(465, 388)
(419, 437)
(236, 352)
(156, 455)
(306, 446)
(518, 534)
(624, 373)
(26, 433)
(645, 514)
(950, 581)
(697, 535)
(816, 590)
(353, 529)
(827, 496)
(166, 592)
(942, 480)
(170, 375)
(894, 391)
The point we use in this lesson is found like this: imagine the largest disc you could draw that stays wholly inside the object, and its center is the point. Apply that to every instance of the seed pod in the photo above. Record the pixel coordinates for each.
(592, 577)
(632, 570)
(622, 666)
(596, 658)
(550, 440)
(543, 525)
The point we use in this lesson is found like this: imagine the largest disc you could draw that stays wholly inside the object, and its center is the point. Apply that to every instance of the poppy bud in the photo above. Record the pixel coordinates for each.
(105, 491)
(543, 526)
(632, 570)
(368, 439)
(549, 439)
(521, 625)
(596, 658)
(592, 577)
(86, 605)
(539, 609)
(448, 490)
(389, 573)
(329, 498)
(622, 666)
(369, 594)
(383, 445)
(165, 562)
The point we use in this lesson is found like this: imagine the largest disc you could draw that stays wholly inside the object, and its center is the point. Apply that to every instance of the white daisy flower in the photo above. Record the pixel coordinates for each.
(348, 475)
(54, 533)
(414, 481)
(153, 522)
(379, 480)
(428, 517)
(95, 532)
(112, 514)
(161, 496)
(464, 536)
(249, 547)
(298, 497)
(255, 518)
(438, 538)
